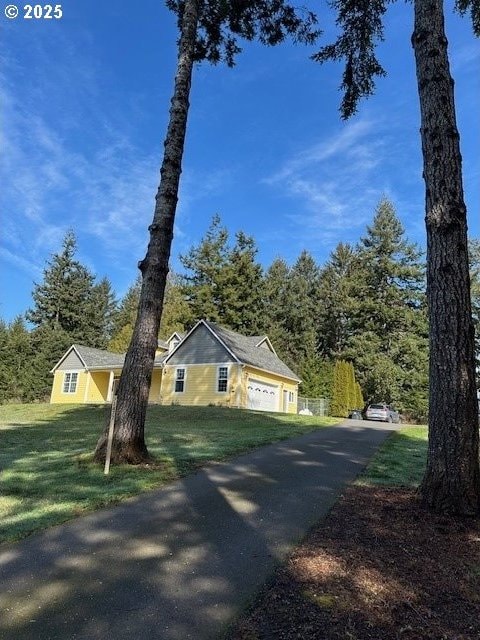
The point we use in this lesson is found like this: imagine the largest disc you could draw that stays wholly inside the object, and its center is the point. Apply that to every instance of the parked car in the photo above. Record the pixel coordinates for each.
(383, 412)
(356, 414)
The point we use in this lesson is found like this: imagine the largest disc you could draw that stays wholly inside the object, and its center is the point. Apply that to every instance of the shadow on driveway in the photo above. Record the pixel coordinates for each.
(182, 561)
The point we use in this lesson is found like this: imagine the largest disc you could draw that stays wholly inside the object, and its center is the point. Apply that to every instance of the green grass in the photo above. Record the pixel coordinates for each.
(400, 460)
(46, 471)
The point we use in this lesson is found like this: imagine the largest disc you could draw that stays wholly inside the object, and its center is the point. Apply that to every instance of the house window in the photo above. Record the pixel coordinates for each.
(180, 381)
(70, 382)
(291, 396)
(222, 379)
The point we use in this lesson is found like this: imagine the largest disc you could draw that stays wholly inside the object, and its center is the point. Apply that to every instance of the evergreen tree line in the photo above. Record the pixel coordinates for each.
(365, 306)
(354, 328)
(69, 306)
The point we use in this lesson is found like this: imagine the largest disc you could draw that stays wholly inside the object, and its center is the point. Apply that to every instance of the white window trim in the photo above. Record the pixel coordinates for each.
(69, 373)
(175, 380)
(222, 366)
(291, 397)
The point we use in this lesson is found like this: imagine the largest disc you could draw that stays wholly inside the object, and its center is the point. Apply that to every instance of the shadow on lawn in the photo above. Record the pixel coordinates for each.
(42, 478)
(178, 563)
(47, 475)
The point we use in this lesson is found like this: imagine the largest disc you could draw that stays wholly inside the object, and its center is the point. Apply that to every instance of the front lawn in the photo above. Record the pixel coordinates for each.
(46, 471)
(401, 459)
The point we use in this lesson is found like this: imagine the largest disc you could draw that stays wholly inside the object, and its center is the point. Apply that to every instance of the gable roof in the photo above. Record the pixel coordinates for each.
(245, 349)
(98, 358)
(180, 336)
(249, 351)
(265, 340)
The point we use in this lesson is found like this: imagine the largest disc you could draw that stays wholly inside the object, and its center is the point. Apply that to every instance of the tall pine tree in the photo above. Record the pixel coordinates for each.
(208, 31)
(64, 298)
(124, 319)
(4, 365)
(388, 325)
(176, 314)
(206, 266)
(103, 305)
(243, 300)
(224, 283)
(302, 299)
(17, 355)
(452, 480)
(274, 322)
(69, 307)
(337, 301)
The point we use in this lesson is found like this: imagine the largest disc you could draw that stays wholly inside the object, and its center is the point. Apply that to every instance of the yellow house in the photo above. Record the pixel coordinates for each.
(87, 375)
(209, 365)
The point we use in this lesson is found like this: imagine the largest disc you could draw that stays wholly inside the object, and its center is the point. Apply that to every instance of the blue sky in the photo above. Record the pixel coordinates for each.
(85, 103)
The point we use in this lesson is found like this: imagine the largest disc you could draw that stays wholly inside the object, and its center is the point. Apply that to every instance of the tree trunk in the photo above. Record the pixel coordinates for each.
(134, 386)
(452, 479)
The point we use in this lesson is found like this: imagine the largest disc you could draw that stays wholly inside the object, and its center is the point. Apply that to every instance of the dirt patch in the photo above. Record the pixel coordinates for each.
(378, 568)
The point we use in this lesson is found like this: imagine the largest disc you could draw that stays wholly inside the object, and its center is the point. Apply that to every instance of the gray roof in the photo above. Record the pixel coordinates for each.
(159, 359)
(100, 359)
(246, 350)
(96, 358)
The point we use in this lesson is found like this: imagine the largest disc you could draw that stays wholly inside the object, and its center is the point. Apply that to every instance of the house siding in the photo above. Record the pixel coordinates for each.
(201, 354)
(71, 363)
(284, 384)
(202, 347)
(97, 389)
(68, 398)
(201, 385)
(156, 387)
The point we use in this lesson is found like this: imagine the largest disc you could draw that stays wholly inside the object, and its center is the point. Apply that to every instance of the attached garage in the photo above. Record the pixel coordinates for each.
(262, 396)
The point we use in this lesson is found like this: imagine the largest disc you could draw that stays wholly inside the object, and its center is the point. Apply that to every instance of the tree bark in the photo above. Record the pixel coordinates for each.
(452, 480)
(134, 386)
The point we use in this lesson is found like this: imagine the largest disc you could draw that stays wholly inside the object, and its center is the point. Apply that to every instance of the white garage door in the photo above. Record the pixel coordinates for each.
(263, 397)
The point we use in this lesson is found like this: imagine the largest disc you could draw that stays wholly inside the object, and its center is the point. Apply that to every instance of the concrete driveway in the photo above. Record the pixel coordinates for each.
(182, 561)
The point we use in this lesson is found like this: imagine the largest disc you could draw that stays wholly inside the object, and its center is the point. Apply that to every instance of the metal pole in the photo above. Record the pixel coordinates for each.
(110, 435)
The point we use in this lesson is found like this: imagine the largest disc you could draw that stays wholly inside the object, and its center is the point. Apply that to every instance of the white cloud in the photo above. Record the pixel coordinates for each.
(105, 192)
(346, 142)
(335, 182)
(464, 59)
(101, 185)
(21, 262)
